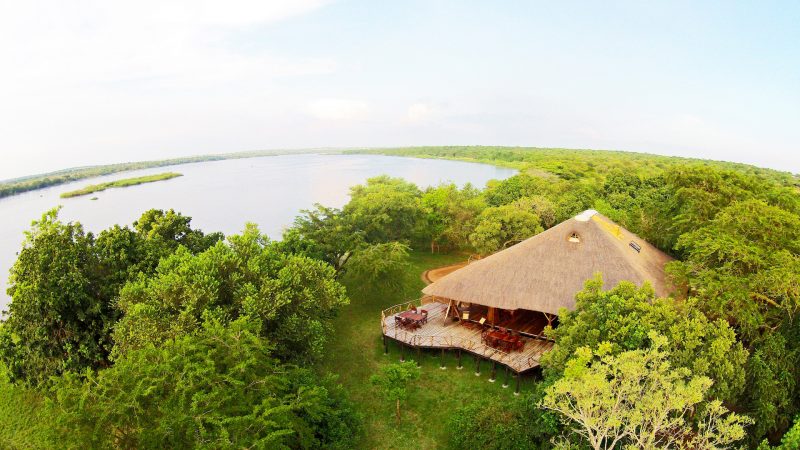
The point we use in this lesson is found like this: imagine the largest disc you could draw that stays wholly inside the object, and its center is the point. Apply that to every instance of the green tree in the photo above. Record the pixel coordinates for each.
(56, 320)
(163, 231)
(385, 209)
(541, 206)
(324, 233)
(625, 316)
(498, 227)
(379, 264)
(449, 214)
(744, 264)
(636, 398)
(790, 440)
(393, 382)
(294, 296)
(503, 192)
(218, 388)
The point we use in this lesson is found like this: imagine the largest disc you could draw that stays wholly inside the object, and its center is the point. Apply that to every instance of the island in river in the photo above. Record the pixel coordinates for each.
(125, 182)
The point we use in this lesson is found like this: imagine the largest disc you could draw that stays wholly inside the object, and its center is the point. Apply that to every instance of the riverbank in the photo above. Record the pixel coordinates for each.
(125, 182)
(33, 182)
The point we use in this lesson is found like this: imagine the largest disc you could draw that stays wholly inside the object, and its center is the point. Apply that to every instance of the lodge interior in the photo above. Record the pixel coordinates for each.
(529, 323)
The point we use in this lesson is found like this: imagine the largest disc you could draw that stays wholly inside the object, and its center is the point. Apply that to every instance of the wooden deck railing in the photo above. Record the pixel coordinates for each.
(518, 362)
(400, 307)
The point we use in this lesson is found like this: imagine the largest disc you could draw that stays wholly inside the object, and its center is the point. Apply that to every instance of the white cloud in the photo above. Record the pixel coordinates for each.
(338, 109)
(75, 45)
(420, 112)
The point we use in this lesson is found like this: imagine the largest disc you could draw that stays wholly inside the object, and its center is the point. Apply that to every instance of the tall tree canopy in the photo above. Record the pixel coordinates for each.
(501, 226)
(637, 399)
(65, 283)
(624, 317)
(294, 296)
(385, 209)
(217, 388)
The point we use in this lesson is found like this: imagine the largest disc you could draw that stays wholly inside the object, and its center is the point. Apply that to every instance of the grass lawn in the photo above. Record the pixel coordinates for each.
(21, 424)
(356, 353)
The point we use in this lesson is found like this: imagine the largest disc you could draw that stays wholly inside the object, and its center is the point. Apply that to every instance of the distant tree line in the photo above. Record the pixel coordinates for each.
(33, 182)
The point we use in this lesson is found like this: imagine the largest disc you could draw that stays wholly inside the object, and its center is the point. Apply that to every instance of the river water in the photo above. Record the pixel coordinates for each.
(223, 195)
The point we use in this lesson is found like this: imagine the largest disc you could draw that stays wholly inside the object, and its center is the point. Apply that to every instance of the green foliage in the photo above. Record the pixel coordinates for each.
(56, 322)
(393, 381)
(385, 209)
(637, 398)
(449, 214)
(125, 182)
(394, 378)
(501, 226)
(23, 422)
(60, 323)
(772, 384)
(495, 424)
(790, 440)
(379, 264)
(506, 191)
(294, 296)
(623, 319)
(218, 388)
(744, 264)
(324, 233)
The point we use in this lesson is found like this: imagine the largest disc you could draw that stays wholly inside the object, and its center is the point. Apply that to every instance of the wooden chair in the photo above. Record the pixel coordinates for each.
(424, 315)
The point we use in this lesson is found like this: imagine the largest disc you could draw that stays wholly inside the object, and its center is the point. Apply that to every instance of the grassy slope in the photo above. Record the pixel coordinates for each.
(356, 353)
(21, 424)
(125, 182)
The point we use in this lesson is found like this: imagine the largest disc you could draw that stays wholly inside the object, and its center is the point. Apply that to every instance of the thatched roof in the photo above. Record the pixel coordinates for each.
(545, 272)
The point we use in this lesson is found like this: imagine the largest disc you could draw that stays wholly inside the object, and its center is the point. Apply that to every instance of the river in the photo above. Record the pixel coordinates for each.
(223, 195)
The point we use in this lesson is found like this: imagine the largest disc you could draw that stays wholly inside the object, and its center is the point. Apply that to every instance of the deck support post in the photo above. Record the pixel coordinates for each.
(477, 366)
(385, 345)
(493, 377)
(516, 392)
(459, 360)
(402, 352)
(505, 384)
(419, 356)
(441, 360)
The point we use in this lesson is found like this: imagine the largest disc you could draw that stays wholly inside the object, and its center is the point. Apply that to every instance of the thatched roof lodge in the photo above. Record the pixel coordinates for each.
(545, 272)
(497, 307)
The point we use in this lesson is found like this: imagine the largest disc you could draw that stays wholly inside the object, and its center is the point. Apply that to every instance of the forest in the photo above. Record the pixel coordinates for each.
(160, 335)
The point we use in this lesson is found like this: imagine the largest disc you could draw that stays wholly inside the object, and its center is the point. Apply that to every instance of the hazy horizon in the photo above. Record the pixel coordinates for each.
(336, 149)
(96, 83)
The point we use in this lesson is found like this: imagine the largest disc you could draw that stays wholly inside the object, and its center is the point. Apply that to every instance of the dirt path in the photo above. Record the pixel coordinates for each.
(429, 276)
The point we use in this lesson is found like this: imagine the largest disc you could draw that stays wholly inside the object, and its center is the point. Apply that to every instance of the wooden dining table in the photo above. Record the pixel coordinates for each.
(500, 339)
(413, 316)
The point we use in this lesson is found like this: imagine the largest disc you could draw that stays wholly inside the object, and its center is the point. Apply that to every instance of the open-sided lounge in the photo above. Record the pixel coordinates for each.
(497, 308)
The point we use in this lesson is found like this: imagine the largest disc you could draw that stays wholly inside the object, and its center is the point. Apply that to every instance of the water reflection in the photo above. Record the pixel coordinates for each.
(223, 195)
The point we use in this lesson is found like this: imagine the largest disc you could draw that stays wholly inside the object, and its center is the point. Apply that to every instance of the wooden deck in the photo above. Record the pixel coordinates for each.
(444, 333)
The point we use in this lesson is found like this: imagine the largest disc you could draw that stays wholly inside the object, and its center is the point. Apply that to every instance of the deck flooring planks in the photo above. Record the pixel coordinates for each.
(441, 332)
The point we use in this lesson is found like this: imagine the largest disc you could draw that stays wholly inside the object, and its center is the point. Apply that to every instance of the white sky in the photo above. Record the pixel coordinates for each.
(92, 82)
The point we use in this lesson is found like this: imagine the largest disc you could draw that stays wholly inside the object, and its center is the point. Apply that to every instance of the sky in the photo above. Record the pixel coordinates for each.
(92, 82)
